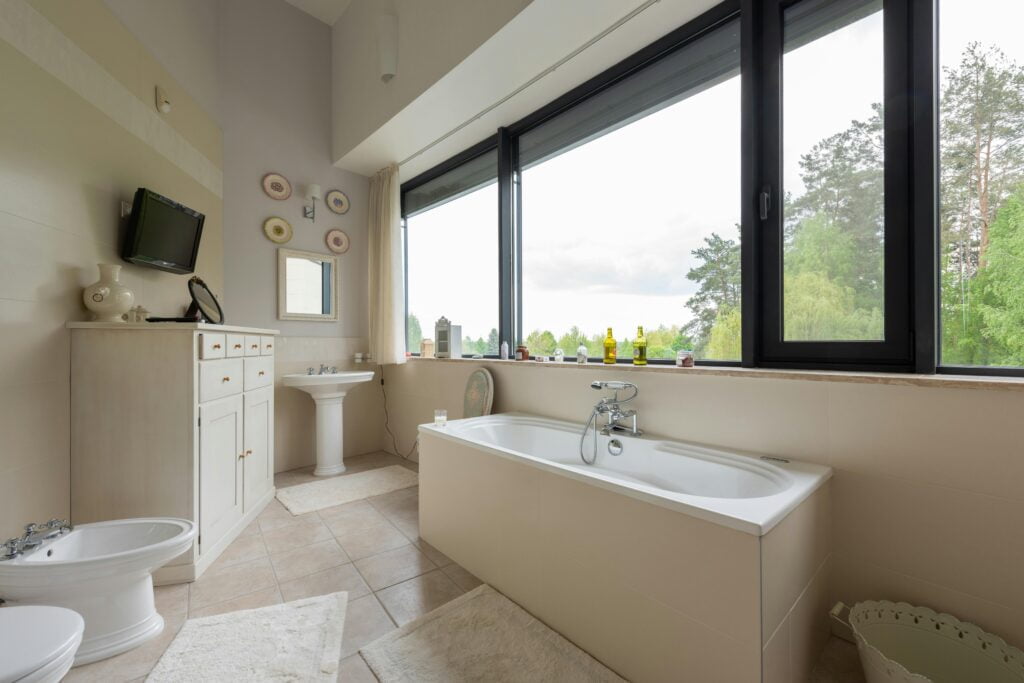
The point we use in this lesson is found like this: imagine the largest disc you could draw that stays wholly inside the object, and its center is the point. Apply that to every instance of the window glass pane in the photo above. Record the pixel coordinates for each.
(631, 217)
(453, 268)
(833, 208)
(981, 118)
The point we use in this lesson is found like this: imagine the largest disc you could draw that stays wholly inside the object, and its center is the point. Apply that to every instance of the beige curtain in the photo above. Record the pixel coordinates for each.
(387, 276)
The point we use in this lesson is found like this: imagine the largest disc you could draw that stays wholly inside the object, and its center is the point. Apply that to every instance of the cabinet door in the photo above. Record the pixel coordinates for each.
(220, 468)
(259, 445)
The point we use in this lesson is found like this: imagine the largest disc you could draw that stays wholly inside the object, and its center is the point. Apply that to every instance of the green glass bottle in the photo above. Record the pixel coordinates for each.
(640, 347)
(610, 348)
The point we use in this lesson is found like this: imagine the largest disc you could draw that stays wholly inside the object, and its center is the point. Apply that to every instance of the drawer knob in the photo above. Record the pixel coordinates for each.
(216, 346)
(270, 346)
(262, 373)
(255, 346)
(226, 379)
(248, 453)
(238, 346)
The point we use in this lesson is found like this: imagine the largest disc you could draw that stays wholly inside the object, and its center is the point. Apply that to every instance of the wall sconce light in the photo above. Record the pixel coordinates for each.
(387, 46)
(312, 194)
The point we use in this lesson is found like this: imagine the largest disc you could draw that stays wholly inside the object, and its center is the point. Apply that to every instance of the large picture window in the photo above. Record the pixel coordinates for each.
(833, 184)
(981, 214)
(630, 211)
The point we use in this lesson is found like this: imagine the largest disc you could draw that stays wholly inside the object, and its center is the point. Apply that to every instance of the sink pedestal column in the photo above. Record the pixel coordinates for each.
(330, 443)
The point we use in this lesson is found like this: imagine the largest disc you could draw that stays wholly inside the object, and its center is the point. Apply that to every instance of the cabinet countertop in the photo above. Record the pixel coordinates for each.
(171, 327)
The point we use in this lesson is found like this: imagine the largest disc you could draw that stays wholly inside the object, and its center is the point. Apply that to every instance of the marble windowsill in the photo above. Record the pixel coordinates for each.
(904, 379)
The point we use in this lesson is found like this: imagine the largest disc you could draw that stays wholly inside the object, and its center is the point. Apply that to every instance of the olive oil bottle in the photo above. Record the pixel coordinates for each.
(610, 348)
(640, 347)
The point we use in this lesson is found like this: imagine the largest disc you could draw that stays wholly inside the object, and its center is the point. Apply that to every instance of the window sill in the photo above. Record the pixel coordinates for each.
(853, 377)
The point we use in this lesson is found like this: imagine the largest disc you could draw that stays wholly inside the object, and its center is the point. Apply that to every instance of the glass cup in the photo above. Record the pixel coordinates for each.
(440, 418)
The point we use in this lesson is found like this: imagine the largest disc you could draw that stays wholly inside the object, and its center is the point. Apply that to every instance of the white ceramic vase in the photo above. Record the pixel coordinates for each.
(107, 298)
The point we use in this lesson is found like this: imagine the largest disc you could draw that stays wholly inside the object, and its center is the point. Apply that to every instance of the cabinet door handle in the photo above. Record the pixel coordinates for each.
(225, 379)
(241, 455)
(216, 346)
(248, 453)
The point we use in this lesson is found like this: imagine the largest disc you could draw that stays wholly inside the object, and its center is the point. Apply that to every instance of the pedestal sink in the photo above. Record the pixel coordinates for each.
(328, 391)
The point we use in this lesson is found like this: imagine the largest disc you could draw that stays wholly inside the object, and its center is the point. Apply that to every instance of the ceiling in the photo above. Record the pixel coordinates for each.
(327, 11)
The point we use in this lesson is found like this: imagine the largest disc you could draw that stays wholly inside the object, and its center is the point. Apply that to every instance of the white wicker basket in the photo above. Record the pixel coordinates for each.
(900, 643)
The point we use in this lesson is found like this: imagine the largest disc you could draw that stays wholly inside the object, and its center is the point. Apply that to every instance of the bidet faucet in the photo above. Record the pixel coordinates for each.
(33, 537)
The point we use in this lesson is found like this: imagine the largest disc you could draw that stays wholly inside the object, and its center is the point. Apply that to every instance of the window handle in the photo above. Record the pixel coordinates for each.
(765, 201)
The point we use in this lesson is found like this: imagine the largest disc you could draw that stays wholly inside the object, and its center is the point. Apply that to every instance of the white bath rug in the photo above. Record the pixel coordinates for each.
(480, 636)
(294, 641)
(317, 495)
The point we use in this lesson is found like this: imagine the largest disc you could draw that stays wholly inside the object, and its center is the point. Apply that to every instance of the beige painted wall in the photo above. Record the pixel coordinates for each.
(432, 38)
(65, 165)
(927, 503)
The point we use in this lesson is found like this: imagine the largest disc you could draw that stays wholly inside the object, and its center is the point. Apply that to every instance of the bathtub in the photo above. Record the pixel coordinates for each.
(667, 561)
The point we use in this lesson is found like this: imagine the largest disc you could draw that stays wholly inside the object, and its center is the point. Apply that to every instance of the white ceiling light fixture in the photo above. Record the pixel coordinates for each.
(387, 46)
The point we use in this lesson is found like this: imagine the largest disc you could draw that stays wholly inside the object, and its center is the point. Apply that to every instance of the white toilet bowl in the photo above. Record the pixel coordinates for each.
(39, 643)
(103, 571)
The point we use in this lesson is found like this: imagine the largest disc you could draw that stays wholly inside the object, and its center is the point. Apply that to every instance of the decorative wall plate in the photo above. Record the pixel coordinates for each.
(337, 241)
(337, 201)
(277, 186)
(277, 230)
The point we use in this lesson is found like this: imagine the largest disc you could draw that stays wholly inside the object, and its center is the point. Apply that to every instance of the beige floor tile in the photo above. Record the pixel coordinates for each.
(395, 499)
(462, 578)
(253, 528)
(227, 583)
(341, 578)
(355, 670)
(372, 539)
(839, 663)
(350, 516)
(171, 601)
(292, 564)
(365, 622)
(242, 549)
(435, 555)
(393, 566)
(130, 665)
(401, 508)
(297, 535)
(261, 598)
(415, 597)
(276, 515)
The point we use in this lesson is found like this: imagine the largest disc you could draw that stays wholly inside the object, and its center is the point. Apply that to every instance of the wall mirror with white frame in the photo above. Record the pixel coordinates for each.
(307, 285)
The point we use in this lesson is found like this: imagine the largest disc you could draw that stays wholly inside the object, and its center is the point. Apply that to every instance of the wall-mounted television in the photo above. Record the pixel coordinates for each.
(162, 233)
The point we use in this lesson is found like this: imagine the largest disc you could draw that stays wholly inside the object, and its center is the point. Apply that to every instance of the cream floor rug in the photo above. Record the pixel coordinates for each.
(480, 636)
(294, 641)
(317, 495)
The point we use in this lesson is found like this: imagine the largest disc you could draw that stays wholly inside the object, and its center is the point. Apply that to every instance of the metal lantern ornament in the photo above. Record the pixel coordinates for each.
(447, 339)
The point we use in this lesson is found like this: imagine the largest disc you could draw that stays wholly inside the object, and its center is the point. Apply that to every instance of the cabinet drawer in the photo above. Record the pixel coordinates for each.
(219, 378)
(266, 346)
(236, 345)
(211, 345)
(259, 372)
(252, 345)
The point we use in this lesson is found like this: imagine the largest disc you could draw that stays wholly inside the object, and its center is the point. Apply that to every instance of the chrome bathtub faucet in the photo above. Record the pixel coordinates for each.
(612, 409)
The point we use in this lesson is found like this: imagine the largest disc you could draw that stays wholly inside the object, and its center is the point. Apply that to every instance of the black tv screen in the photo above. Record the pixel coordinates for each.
(162, 233)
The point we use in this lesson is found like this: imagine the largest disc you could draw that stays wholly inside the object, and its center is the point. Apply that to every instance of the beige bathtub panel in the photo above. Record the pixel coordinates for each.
(809, 624)
(964, 541)
(640, 638)
(857, 580)
(703, 570)
(791, 553)
(776, 665)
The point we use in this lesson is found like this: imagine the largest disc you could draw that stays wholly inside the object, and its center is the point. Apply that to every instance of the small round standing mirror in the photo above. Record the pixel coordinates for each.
(204, 302)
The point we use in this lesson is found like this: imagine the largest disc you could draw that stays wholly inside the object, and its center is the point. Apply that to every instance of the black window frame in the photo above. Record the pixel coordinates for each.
(911, 192)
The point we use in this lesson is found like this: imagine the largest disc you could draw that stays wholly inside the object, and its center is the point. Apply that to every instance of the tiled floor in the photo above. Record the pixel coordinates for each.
(370, 548)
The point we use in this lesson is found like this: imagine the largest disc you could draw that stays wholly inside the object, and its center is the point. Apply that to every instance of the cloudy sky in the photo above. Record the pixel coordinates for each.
(609, 227)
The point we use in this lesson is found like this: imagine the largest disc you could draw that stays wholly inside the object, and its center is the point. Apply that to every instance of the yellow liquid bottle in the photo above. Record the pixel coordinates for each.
(640, 347)
(610, 347)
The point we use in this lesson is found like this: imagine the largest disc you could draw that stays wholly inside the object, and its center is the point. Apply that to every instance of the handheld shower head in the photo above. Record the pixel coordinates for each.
(614, 385)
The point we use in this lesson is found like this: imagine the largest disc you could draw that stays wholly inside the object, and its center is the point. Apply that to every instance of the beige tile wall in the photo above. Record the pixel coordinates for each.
(64, 168)
(927, 503)
(295, 418)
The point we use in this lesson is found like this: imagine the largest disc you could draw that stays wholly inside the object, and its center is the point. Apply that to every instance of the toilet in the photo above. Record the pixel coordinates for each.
(39, 643)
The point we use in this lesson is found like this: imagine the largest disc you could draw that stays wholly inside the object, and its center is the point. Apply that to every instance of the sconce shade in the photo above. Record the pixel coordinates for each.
(313, 192)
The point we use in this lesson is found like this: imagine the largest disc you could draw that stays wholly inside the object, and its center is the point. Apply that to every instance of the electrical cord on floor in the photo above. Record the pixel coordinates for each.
(387, 422)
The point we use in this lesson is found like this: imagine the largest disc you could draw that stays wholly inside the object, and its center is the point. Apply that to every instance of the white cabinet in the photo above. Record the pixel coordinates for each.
(173, 420)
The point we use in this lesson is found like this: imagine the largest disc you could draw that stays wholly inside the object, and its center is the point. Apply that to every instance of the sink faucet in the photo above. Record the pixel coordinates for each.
(612, 409)
(33, 537)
